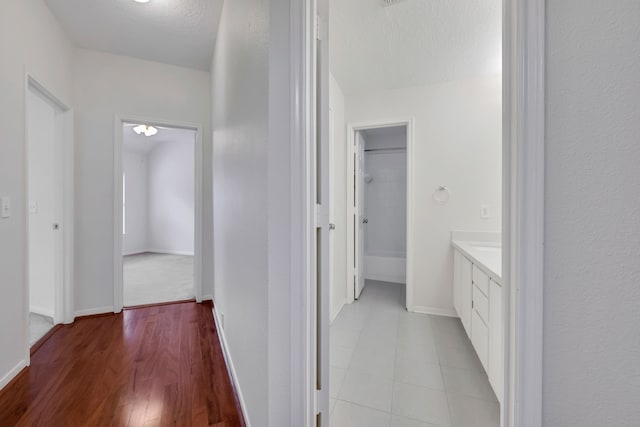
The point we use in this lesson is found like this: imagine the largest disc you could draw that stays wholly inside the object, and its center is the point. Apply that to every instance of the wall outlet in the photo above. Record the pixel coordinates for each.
(484, 211)
(5, 207)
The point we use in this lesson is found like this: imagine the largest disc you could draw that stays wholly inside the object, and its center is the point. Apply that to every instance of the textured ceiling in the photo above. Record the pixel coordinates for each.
(178, 32)
(132, 142)
(413, 42)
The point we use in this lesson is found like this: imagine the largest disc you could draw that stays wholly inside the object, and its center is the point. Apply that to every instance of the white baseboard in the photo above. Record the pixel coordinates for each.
(42, 311)
(92, 311)
(448, 312)
(164, 251)
(159, 251)
(385, 269)
(232, 369)
(335, 315)
(136, 252)
(12, 373)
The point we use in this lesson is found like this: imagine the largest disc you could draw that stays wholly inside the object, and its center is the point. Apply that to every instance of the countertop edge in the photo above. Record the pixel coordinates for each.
(495, 276)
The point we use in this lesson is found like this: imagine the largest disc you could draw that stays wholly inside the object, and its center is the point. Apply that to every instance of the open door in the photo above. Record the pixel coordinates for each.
(360, 219)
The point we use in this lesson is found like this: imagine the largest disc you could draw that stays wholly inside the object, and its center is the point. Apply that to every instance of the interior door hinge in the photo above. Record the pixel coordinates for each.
(317, 215)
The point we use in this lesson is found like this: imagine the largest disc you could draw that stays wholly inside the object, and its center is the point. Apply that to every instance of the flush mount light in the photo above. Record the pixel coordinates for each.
(144, 129)
(141, 1)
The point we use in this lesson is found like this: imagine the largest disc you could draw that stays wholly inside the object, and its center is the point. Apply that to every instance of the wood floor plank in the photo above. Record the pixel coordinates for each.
(148, 366)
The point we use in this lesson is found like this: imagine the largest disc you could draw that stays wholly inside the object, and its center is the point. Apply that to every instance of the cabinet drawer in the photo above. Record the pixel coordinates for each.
(480, 279)
(480, 338)
(481, 304)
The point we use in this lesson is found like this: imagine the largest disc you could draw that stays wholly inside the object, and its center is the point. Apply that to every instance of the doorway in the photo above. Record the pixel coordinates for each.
(158, 212)
(379, 216)
(381, 200)
(49, 211)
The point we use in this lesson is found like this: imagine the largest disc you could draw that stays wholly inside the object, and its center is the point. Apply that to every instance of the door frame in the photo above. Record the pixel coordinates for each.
(352, 128)
(119, 121)
(64, 177)
(523, 139)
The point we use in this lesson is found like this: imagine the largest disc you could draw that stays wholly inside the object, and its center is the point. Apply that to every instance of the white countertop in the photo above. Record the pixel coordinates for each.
(486, 255)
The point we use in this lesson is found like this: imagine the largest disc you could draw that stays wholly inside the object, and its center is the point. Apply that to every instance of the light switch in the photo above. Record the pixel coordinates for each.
(484, 211)
(33, 207)
(5, 207)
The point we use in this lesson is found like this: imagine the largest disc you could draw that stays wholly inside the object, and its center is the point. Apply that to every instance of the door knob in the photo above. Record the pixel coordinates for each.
(332, 226)
(365, 220)
(55, 226)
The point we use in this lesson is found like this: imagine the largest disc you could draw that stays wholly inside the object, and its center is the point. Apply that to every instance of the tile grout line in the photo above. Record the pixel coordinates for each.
(444, 385)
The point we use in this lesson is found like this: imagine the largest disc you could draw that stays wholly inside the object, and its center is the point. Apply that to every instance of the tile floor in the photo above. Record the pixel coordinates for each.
(392, 368)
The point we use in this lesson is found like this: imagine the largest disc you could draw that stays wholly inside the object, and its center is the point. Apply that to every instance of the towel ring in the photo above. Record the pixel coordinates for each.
(442, 195)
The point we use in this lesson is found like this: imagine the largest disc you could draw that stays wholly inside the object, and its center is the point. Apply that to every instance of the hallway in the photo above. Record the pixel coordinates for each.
(392, 368)
(160, 365)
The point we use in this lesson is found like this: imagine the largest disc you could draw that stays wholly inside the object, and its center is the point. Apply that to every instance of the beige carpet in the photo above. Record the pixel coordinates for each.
(151, 278)
(39, 325)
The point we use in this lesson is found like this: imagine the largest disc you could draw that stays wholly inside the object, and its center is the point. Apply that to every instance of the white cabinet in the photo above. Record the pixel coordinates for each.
(465, 293)
(496, 338)
(480, 338)
(457, 259)
(478, 300)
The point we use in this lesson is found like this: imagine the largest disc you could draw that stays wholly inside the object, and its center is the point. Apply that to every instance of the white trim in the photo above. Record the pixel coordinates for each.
(302, 380)
(523, 208)
(523, 228)
(352, 128)
(337, 312)
(41, 311)
(13, 373)
(164, 252)
(436, 311)
(207, 297)
(64, 284)
(94, 311)
(119, 120)
(230, 366)
(136, 252)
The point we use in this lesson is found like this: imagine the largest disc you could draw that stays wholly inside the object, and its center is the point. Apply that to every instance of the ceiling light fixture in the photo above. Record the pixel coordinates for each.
(144, 129)
(141, 1)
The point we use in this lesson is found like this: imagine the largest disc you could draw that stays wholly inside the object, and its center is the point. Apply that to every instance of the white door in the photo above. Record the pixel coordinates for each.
(360, 218)
(332, 218)
(323, 243)
(44, 204)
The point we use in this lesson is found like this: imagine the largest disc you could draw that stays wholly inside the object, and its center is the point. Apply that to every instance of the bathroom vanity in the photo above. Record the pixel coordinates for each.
(479, 300)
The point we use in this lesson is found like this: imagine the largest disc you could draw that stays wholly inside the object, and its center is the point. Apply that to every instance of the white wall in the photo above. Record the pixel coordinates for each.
(592, 206)
(240, 74)
(385, 203)
(171, 201)
(105, 85)
(134, 167)
(385, 206)
(31, 39)
(41, 146)
(457, 144)
(338, 289)
(252, 219)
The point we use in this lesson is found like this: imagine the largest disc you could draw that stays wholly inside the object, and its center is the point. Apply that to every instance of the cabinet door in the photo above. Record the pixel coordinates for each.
(456, 281)
(496, 336)
(480, 338)
(465, 293)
